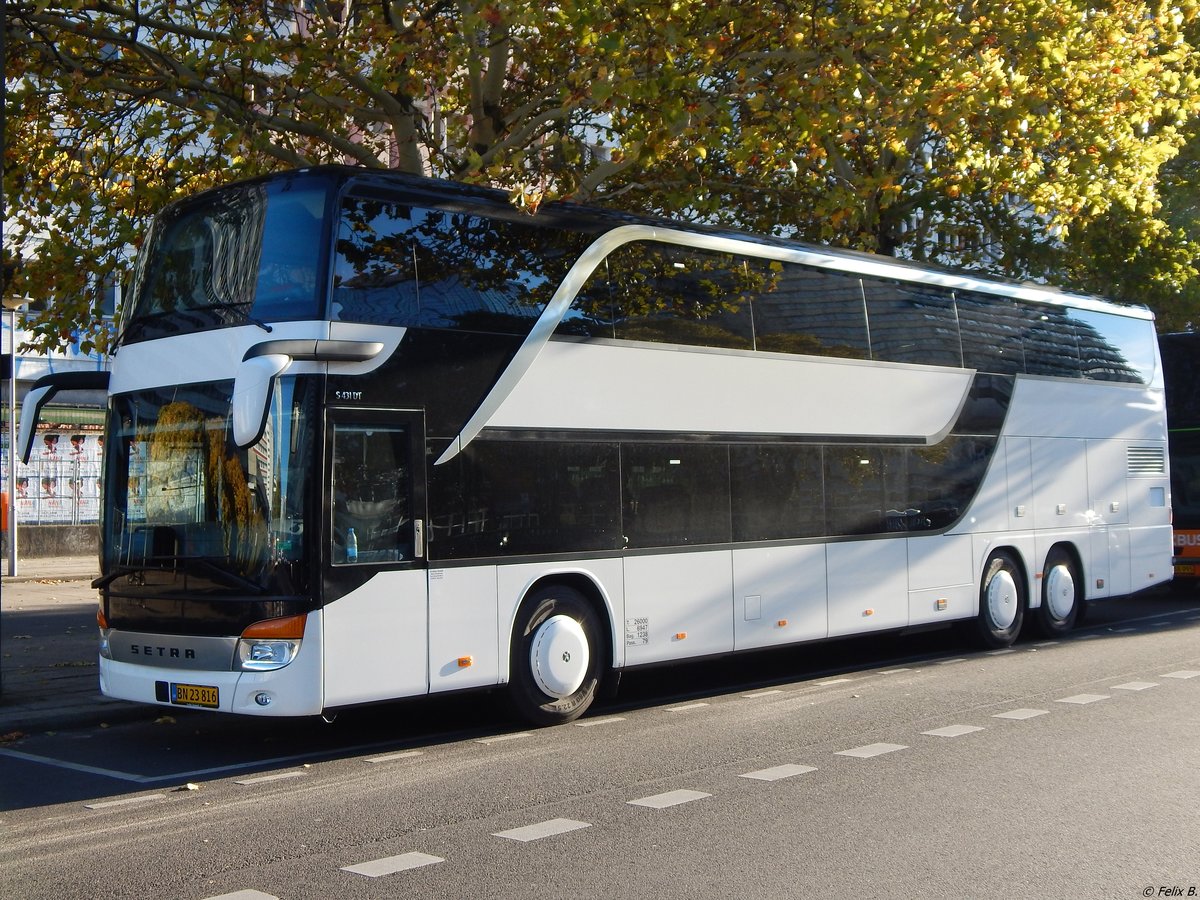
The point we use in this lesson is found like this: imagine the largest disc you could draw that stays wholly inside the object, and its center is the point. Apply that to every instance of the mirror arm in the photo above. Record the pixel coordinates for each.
(264, 362)
(40, 393)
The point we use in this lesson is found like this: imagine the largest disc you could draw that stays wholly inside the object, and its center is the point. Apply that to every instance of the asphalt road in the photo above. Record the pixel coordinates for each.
(909, 767)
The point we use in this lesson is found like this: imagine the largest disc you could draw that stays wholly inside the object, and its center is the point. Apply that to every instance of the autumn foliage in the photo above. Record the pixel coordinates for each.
(998, 135)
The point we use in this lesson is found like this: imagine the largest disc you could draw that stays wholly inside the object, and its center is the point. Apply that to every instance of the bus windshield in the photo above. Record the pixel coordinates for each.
(250, 253)
(188, 510)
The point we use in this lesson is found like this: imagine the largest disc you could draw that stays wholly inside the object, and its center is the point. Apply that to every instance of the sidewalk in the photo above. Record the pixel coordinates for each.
(48, 645)
(61, 568)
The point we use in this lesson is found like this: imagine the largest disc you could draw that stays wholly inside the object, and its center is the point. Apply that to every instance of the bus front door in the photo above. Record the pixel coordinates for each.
(375, 615)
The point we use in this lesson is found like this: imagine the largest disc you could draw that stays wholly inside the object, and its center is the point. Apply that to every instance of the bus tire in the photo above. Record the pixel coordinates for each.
(555, 666)
(1062, 594)
(1001, 602)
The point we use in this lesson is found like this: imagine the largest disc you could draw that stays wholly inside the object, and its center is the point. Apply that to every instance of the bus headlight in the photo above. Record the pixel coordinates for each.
(270, 644)
(262, 655)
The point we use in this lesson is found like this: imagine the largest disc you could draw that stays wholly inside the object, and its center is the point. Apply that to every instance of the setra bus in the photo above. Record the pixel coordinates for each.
(373, 436)
(1181, 371)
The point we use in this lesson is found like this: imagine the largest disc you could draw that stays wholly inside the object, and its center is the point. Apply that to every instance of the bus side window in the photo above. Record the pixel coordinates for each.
(677, 295)
(371, 495)
(912, 323)
(375, 276)
(993, 330)
(812, 311)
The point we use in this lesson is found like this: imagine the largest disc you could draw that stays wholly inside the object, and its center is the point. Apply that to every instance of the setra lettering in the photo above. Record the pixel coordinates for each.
(168, 652)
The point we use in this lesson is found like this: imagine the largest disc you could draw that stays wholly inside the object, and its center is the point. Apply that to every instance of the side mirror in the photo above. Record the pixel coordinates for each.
(40, 394)
(252, 389)
(263, 363)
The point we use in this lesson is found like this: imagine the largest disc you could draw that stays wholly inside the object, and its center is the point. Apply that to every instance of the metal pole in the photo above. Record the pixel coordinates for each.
(12, 444)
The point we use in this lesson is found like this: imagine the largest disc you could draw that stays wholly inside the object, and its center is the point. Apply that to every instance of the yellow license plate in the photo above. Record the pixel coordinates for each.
(194, 695)
(1185, 569)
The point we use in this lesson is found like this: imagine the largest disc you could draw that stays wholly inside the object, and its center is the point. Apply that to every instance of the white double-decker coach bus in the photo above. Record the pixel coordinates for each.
(373, 436)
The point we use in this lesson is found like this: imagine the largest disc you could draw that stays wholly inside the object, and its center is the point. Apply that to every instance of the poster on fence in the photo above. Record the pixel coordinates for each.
(60, 485)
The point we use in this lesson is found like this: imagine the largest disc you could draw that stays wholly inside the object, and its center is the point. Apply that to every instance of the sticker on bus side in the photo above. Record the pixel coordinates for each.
(637, 632)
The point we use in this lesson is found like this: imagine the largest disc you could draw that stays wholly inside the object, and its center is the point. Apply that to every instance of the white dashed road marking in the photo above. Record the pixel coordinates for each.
(128, 801)
(391, 757)
(762, 694)
(1135, 686)
(609, 721)
(1021, 714)
(244, 895)
(871, 750)
(392, 864)
(953, 730)
(685, 708)
(1183, 673)
(670, 798)
(775, 773)
(501, 738)
(833, 681)
(278, 776)
(1082, 699)
(542, 830)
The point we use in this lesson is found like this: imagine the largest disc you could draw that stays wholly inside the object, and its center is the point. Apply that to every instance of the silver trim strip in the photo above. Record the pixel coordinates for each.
(173, 651)
(591, 258)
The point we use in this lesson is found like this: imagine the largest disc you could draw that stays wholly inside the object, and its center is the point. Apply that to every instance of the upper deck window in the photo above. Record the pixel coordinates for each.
(399, 264)
(245, 253)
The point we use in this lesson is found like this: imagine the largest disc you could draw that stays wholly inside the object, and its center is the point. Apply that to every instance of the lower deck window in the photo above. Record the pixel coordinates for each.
(501, 498)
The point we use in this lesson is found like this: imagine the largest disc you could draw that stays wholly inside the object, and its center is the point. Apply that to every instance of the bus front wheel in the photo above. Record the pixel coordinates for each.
(1062, 596)
(1001, 602)
(555, 662)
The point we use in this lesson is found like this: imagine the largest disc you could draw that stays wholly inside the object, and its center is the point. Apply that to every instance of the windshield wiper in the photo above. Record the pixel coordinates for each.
(187, 564)
(243, 308)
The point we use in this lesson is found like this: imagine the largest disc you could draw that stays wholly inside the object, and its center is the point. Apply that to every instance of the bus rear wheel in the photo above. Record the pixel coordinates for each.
(1062, 596)
(555, 662)
(1001, 602)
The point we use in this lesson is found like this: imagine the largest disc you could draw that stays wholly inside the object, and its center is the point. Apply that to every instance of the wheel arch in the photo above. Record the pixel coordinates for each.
(1020, 558)
(1071, 550)
(586, 586)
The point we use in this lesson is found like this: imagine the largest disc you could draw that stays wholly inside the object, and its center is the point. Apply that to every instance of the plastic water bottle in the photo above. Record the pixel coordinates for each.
(351, 546)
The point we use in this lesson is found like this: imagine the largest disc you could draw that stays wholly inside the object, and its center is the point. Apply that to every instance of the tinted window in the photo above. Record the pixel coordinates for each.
(670, 294)
(1181, 372)
(776, 492)
(405, 265)
(593, 312)
(371, 494)
(501, 497)
(940, 481)
(675, 494)
(856, 498)
(992, 331)
(1051, 343)
(253, 249)
(811, 311)
(1115, 348)
(912, 323)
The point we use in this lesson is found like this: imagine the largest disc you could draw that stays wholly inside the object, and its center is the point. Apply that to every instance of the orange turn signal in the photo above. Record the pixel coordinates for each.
(287, 628)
